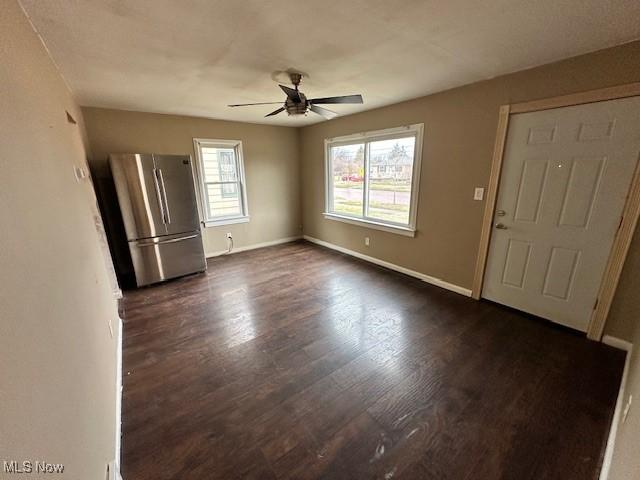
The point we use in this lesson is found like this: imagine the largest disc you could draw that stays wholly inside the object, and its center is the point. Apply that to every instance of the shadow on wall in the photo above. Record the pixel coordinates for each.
(114, 226)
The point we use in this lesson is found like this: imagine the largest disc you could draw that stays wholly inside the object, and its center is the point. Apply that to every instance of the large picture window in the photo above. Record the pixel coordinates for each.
(221, 181)
(373, 178)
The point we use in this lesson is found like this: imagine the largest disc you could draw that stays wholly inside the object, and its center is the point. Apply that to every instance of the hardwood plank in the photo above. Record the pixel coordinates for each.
(295, 361)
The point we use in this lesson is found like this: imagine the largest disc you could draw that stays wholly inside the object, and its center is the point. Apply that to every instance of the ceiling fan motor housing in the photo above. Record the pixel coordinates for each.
(296, 78)
(294, 108)
(297, 103)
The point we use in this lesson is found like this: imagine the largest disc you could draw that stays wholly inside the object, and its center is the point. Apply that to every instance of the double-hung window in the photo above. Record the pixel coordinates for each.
(221, 181)
(373, 178)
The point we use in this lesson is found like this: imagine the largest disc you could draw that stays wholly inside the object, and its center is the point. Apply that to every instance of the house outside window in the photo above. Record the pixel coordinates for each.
(221, 181)
(373, 178)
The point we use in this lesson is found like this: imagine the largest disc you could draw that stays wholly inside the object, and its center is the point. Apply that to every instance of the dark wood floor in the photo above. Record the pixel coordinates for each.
(299, 362)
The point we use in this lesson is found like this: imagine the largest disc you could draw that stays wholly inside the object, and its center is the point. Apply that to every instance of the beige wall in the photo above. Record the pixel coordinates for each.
(270, 158)
(57, 357)
(625, 463)
(460, 127)
(625, 310)
(459, 134)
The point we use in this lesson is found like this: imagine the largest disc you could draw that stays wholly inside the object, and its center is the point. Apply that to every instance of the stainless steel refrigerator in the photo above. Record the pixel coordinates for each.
(158, 203)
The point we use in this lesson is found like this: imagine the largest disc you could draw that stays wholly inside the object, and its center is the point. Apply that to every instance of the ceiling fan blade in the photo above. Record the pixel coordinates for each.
(275, 112)
(323, 112)
(291, 93)
(249, 104)
(343, 99)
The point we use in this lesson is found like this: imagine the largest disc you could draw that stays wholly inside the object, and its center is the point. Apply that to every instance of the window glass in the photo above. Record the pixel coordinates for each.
(372, 178)
(348, 176)
(221, 181)
(390, 175)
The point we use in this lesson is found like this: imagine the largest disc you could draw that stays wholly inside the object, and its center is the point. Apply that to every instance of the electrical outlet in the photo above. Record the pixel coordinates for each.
(366, 241)
(478, 193)
(627, 407)
(229, 235)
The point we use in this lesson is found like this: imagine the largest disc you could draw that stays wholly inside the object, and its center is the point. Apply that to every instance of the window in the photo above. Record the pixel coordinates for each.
(372, 178)
(221, 181)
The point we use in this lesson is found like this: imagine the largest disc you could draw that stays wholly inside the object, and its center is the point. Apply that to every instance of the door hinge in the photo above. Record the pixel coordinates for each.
(621, 220)
(595, 305)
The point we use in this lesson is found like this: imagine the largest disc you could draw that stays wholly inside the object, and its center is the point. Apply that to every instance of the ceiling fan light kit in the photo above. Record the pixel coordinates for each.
(297, 103)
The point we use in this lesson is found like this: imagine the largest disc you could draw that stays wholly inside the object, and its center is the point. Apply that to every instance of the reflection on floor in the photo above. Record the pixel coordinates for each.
(298, 362)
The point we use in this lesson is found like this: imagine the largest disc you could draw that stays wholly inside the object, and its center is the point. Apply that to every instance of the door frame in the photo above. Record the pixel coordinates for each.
(631, 211)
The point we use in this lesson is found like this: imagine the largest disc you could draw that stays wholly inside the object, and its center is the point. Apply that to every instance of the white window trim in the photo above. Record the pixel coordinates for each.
(389, 133)
(198, 143)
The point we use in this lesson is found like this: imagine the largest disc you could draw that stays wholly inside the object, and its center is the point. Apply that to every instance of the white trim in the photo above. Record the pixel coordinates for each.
(616, 342)
(226, 221)
(113, 471)
(416, 130)
(253, 246)
(115, 464)
(386, 227)
(615, 422)
(391, 266)
(385, 132)
(198, 143)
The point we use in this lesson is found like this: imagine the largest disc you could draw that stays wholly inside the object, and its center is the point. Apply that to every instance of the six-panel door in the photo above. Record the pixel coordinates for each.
(565, 176)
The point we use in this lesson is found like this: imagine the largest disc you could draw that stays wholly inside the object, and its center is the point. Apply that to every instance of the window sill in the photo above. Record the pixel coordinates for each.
(406, 231)
(225, 221)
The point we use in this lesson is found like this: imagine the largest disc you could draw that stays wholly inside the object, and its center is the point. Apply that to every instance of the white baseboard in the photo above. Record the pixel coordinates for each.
(113, 471)
(118, 439)
(253, 247)
(617, 343)
(613, 431)
(391, 266)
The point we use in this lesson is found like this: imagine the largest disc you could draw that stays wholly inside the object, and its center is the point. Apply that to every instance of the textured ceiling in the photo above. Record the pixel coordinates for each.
(194, 57)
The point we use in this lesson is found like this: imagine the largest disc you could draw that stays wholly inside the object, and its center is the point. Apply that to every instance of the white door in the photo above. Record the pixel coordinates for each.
(565, 177)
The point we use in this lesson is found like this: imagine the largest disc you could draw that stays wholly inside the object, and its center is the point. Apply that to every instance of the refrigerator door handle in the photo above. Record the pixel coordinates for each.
(165, 203)
(172, 240)
(158, 195)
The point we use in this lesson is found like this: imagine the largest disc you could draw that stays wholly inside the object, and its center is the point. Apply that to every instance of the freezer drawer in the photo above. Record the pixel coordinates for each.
(162, 258)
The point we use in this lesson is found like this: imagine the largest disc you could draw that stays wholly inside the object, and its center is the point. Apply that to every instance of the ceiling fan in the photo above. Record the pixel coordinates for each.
(298, 104)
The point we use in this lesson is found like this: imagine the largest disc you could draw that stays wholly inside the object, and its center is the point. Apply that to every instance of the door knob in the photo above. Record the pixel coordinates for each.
(500, 226)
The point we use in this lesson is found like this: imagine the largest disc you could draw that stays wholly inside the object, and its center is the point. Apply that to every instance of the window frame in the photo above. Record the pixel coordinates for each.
(243, 217)
(366, 138)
